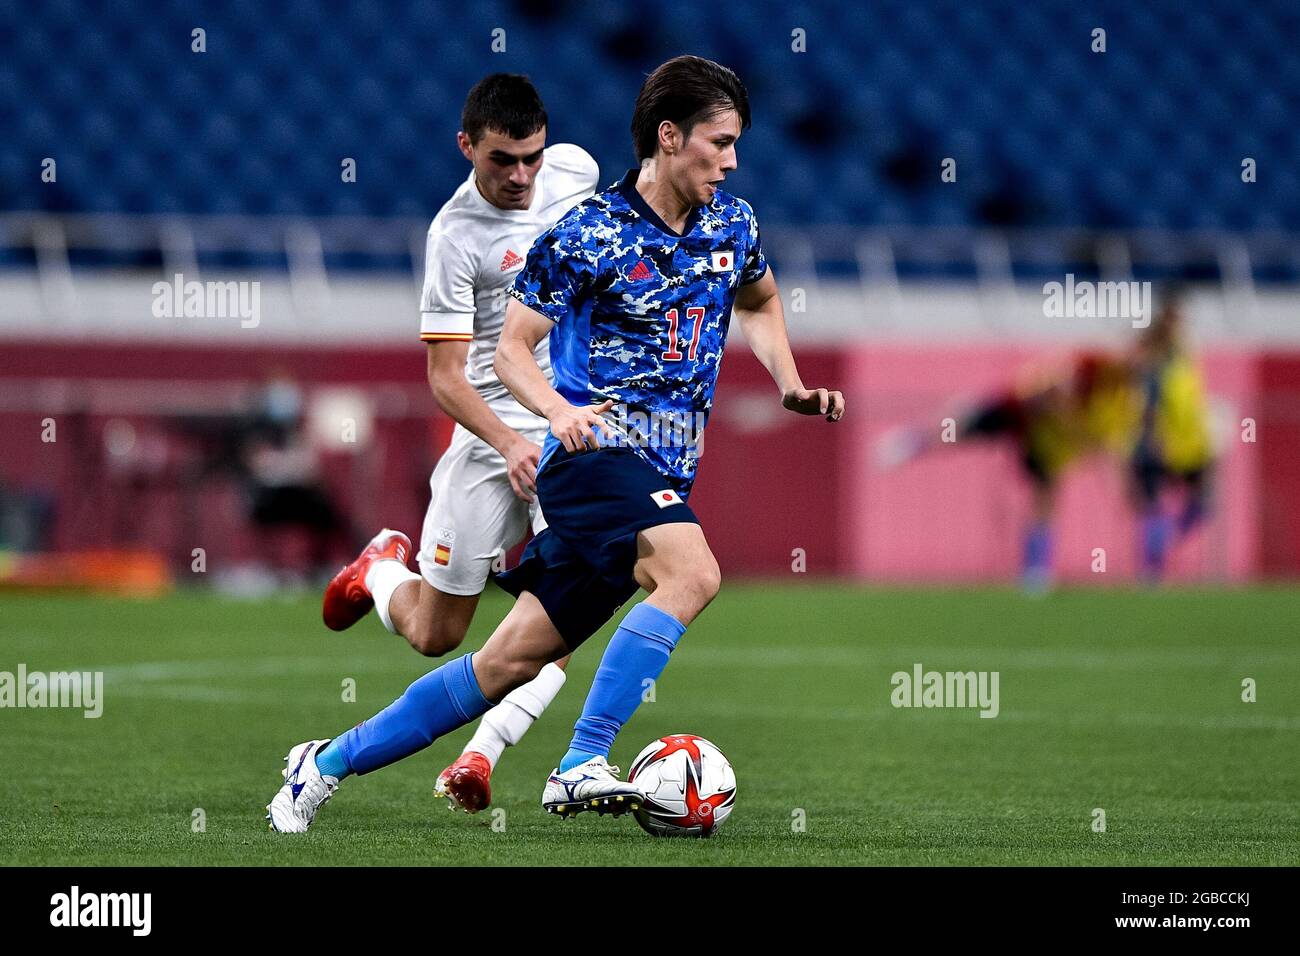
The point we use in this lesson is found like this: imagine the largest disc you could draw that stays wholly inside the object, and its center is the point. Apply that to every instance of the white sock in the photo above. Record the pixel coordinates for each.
(505, 724)
(383, 578)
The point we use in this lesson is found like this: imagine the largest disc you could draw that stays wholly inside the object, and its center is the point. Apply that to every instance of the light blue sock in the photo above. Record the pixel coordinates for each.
(330, 761)
(1157, 530)
(638, 651)
(436, 704)
(1037, 559)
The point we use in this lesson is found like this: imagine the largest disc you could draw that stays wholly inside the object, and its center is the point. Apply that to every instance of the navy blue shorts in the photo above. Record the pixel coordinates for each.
(580, 567)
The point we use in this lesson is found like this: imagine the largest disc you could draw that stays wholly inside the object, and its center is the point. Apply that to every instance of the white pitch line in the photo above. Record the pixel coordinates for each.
(149, 671)
(979, 658)
(1064, 719)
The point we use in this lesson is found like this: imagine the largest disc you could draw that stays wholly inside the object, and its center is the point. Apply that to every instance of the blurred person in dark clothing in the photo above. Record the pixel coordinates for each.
(283, 476)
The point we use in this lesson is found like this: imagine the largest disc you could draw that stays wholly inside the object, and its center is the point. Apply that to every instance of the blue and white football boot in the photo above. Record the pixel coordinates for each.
(593, 785)
(304, 792)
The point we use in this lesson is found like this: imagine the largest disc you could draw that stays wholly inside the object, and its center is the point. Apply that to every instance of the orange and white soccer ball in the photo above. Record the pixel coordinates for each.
(689, 786)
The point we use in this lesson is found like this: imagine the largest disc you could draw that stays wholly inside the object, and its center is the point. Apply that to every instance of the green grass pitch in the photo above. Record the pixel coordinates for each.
(1126, 701)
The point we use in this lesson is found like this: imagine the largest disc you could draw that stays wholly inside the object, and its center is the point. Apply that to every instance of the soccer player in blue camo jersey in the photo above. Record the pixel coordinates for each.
(635, 287)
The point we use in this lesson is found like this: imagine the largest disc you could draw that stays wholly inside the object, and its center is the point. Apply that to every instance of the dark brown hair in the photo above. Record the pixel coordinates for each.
(685, 90)
(504, 102)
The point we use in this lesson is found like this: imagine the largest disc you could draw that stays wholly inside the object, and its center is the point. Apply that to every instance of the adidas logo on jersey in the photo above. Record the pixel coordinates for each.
(639, 272)
(510, 260)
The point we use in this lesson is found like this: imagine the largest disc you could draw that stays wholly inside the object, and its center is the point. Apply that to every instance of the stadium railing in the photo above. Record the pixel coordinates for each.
(311, 255)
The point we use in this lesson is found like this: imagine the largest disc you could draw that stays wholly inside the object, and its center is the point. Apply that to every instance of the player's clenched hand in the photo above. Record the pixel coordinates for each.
(521, 457)
(815, 401)
(575, 425)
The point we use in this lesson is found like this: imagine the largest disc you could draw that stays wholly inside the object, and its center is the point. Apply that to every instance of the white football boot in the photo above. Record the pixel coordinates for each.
(304, 792)
(593, 785)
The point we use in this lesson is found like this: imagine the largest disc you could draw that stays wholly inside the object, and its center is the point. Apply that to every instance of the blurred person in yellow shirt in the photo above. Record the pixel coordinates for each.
(1172, 446)
(1057, 414)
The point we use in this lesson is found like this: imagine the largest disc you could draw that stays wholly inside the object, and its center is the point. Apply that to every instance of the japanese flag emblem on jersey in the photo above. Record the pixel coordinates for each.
(666, 497)
(723, 261)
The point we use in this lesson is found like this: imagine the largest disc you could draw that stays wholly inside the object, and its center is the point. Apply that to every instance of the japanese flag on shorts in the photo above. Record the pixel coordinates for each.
(666, 497)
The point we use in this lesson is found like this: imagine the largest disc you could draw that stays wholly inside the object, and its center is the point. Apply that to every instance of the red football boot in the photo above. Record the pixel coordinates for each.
(346, 598)
(465, 783)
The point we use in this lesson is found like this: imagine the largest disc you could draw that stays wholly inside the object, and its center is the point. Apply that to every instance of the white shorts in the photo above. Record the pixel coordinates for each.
(474, 516)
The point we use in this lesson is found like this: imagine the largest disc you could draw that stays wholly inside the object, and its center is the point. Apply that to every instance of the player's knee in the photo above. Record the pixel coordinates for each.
(692, 584)
(708, 581)
(498, 674)
(700, 583)
(436, 638)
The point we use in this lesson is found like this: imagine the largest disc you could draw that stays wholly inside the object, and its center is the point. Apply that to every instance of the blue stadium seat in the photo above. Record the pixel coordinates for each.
(1151, 133)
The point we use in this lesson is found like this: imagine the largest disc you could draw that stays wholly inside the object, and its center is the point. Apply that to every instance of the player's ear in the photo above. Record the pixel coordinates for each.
(466, 147)
(670, 137)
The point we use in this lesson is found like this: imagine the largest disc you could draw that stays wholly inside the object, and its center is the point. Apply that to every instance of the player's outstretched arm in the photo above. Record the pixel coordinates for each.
(762, 320)
(518, 370)
(459, 399)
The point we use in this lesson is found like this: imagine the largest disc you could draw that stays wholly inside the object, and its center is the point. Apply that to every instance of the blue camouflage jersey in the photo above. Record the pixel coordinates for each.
(641, 314)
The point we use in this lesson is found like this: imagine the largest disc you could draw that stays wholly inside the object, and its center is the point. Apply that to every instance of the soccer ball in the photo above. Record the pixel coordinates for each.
(689, 786)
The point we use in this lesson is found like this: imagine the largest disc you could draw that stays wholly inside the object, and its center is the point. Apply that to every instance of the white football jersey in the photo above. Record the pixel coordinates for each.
(475, 250)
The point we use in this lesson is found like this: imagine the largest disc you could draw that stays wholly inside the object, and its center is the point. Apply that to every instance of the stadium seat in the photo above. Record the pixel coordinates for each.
(1151, 133)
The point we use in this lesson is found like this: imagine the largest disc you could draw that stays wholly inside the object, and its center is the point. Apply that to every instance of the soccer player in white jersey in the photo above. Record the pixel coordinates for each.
(482, 493)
